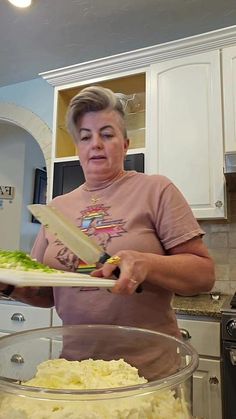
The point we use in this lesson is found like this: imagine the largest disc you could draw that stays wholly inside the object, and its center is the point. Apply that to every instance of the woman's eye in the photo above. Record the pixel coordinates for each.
(84, 138)
(107, 135)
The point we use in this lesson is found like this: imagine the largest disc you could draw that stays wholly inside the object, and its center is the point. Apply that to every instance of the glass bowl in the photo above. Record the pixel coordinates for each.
(167, 364)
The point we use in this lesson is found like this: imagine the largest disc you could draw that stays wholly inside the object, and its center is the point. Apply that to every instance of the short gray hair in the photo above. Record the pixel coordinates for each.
(93, 99)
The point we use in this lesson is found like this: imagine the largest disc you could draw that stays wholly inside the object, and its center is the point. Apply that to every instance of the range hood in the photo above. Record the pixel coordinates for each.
(230, 171)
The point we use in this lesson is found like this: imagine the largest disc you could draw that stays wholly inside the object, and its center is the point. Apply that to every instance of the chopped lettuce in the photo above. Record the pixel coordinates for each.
(21, 260)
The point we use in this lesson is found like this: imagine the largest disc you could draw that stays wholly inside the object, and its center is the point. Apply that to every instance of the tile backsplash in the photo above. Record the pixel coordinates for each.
(220, 239)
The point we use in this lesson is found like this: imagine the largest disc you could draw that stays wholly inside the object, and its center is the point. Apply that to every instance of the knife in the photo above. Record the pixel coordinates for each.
(70, 235)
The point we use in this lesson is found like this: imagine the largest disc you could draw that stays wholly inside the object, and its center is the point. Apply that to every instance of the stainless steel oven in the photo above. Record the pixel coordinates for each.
(229, 358)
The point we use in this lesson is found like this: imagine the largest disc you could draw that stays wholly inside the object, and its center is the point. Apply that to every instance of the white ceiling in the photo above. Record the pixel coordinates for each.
(57, 33)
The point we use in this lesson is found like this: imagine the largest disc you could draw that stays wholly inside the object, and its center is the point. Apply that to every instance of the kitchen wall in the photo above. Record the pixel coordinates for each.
(221, 241)
(20, 154)
(35, 95)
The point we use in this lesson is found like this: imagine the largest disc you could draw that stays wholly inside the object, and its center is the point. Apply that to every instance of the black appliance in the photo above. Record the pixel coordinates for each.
(69, 175)
(228, 331)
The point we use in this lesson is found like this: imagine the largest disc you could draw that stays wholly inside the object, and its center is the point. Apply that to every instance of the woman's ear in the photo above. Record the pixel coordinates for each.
(126, 144)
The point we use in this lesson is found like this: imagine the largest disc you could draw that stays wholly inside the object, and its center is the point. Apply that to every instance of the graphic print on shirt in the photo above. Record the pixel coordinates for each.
(95, 221)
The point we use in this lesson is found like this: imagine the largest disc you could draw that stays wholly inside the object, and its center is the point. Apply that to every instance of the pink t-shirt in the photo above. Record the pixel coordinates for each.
(138, 212)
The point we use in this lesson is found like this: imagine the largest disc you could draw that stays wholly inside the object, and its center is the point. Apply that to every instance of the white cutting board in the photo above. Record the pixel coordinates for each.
(43, 279)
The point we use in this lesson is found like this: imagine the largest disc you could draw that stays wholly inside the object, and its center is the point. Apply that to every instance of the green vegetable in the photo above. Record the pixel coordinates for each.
(22, 261)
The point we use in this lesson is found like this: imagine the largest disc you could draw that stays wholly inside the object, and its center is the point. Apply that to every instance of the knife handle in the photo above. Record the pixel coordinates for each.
(116, 272)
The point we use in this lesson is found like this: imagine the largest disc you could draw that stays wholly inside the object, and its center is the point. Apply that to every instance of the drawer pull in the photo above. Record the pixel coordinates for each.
(17, 358)
(213, 380)
(185, 334)
(17, 317)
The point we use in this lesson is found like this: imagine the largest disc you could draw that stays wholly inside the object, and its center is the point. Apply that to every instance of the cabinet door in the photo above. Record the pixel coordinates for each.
(207, 390)
(186, 140)
(229, 94)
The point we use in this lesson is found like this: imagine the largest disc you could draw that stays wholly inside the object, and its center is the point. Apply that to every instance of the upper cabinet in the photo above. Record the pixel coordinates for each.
(131, 90)
(187, 129)
(178, 98)
(229, 95)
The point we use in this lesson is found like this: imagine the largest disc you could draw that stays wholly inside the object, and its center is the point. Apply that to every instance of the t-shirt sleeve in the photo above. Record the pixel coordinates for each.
(176, 223)
(39, 246)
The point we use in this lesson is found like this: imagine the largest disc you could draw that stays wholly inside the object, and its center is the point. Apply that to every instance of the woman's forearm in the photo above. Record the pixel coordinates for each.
(181, 273)
(36, 296)
(186, 269)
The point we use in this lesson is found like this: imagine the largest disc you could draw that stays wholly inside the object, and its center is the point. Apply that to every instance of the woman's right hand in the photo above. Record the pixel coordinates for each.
(133, 271)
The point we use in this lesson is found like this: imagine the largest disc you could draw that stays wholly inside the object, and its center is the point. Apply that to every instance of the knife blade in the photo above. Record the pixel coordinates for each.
(71, 236)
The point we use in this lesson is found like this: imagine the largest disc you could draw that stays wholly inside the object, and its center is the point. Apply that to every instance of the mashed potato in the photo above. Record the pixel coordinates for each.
(92, 374)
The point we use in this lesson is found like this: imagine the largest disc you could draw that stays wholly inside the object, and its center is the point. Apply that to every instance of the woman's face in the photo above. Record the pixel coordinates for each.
(101, 145)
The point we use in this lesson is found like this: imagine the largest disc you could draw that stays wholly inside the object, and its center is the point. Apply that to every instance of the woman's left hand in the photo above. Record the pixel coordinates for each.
(133, 271)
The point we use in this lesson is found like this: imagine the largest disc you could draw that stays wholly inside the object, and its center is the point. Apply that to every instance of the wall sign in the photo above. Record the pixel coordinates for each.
(7, 192)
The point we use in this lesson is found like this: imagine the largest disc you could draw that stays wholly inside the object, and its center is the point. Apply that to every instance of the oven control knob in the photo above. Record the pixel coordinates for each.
(231, 328)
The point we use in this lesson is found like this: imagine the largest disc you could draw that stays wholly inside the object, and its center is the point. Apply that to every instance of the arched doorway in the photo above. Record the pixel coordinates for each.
(34, 126)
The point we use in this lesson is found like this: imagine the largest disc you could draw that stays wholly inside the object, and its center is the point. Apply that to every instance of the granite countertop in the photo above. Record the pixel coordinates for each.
(200, 305)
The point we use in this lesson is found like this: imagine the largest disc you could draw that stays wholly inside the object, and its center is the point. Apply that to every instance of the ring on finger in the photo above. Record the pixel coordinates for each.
(114, 260)
(133, 281)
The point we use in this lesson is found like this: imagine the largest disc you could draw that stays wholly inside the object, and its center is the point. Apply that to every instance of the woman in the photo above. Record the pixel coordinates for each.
(142, 220)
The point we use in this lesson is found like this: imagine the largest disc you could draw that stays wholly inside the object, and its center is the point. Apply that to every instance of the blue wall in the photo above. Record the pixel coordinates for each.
(35, 95)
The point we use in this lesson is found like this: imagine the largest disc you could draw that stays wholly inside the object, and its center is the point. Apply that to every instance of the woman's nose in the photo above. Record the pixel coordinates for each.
(97, 141)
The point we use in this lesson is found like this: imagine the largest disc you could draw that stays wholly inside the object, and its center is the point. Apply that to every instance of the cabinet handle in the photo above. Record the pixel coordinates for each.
(232, 354)
(185, 334)
(213, 380)
(17, 358)
(17, 317)
(219, 204)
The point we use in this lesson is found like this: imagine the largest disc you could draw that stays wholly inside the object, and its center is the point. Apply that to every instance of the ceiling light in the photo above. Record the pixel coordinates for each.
(20, 3)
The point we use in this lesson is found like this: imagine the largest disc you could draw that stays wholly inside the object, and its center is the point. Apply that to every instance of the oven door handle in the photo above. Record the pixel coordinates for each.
(232, 354)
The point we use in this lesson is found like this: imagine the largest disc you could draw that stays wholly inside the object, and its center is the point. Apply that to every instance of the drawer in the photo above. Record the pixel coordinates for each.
(204, 336)
(20, 361)
(56, 321)
(19, 317)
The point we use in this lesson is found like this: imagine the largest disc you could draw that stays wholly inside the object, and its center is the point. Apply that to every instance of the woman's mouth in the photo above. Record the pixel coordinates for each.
(97, 158)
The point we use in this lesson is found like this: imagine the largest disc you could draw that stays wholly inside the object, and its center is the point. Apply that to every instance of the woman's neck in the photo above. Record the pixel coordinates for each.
(95, 186)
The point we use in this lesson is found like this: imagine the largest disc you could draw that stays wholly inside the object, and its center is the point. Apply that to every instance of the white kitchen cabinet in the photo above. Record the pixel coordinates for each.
(200, 333)
(229, 95)
(20, 361)
(180, 122)
(204, 336)
(187, 138)
(179, 127)
(17, 317)
(207, 390)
